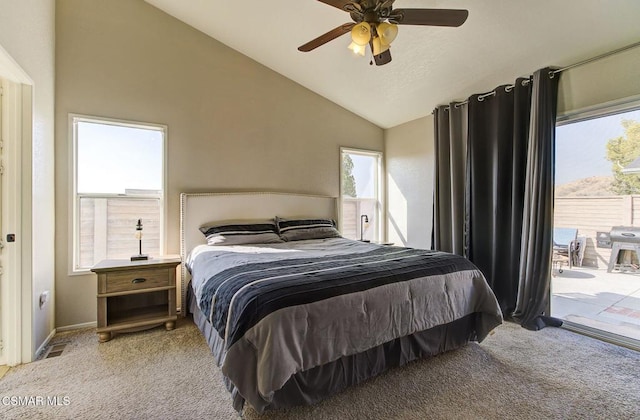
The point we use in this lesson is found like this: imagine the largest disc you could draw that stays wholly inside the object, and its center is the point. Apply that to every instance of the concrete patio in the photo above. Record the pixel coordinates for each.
(597, 299)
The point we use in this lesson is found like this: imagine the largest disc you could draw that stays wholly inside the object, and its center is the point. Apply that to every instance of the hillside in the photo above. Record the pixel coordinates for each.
(592, 186)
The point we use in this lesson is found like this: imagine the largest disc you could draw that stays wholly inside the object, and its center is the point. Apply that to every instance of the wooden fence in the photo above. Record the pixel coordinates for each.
(352, 209)
(108, 226)
(596, 214)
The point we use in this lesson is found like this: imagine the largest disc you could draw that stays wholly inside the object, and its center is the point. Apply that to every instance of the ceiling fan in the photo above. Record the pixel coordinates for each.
(375, 23)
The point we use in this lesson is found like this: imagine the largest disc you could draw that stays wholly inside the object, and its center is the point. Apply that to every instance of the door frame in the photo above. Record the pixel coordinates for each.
(15, 285)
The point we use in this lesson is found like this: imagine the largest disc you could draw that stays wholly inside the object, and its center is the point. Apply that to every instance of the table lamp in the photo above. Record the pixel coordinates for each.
(140, 255)
(364, 222)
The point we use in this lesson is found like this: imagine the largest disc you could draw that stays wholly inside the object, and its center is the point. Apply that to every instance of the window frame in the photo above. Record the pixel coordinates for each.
(379, 187)
(599, 111)
(74, 199)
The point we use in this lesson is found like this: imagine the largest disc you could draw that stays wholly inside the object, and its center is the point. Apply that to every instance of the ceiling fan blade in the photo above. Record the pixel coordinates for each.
(430, 17)
(336, 3)
(329, 36)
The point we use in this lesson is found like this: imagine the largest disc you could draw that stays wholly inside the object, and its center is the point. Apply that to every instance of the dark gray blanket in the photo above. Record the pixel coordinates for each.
(282, 309)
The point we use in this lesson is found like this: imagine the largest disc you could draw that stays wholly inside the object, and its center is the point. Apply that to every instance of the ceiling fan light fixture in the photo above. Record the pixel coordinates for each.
(377, 46)
(361, 33)
(357, 49)
(387, 32)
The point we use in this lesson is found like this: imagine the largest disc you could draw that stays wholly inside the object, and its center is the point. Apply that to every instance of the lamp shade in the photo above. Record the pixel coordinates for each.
(357, 49)
(377, 46)
(361, 33)
(387, 32)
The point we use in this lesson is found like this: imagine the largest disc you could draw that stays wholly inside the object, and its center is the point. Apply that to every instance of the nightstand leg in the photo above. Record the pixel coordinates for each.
(169, 325)
(103, 337)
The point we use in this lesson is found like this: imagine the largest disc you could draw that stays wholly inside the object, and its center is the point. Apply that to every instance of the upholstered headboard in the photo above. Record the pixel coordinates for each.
(199, 208)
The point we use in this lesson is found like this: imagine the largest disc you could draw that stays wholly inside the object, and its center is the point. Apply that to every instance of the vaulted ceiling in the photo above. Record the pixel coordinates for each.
(501, 40)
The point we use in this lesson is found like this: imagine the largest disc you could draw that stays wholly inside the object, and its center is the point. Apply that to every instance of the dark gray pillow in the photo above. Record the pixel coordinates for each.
(307, 228)
(241, 232)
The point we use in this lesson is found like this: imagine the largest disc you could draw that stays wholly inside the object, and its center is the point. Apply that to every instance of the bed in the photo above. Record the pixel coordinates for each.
(293, 322)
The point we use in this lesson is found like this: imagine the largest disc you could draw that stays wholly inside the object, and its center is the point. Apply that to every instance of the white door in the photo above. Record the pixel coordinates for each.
(2, 188)
(15, 292)
(10, 222)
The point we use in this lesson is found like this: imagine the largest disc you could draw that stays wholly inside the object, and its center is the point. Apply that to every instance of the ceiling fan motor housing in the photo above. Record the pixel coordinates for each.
(370, 11)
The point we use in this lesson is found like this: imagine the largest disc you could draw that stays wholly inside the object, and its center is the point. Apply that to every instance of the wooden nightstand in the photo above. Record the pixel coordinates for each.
(136, 295)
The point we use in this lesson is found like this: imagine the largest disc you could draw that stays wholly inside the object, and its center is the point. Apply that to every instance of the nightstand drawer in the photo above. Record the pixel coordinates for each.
(137, 279)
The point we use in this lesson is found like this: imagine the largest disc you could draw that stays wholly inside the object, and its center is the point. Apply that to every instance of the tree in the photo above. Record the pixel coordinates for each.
(621, 151)
(348, 180)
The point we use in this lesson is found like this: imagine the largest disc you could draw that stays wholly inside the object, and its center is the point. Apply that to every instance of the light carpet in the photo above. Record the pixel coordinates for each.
(157, 374)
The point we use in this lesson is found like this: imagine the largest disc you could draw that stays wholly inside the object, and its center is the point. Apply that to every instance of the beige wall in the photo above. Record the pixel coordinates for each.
(27, 34)
(233, 123)
(609, 80)
(409, 162)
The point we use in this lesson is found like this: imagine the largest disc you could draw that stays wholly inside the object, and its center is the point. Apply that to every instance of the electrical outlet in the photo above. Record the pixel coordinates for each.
(44, 298)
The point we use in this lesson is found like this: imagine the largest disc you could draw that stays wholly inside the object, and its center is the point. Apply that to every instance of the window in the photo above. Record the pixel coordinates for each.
(360, 194)
(118, 178)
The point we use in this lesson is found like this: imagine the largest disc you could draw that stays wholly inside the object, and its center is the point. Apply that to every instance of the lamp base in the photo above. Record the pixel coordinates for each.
(364, 240)
(139, 257)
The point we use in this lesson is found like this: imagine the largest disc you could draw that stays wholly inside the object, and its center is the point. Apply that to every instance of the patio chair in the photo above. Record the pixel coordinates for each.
(565, 246)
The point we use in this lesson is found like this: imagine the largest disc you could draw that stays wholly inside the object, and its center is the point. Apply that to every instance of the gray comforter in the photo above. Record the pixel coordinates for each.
(280, 309)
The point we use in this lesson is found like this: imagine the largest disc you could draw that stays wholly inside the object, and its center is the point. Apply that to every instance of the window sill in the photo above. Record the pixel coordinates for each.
(80, 272)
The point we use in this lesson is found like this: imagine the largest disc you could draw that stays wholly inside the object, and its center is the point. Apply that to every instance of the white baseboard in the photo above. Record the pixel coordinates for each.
(78, 326)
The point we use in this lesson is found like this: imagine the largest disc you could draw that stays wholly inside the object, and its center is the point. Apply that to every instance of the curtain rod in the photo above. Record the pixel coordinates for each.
(486, 95)
(554, 72)
(599, 57)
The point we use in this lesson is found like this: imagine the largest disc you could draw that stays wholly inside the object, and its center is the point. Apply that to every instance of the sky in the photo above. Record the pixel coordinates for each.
(364, 174)
(581, 146)
(114, 158)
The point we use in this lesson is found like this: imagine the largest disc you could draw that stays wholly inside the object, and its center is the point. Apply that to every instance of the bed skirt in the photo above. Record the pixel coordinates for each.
(320, 382)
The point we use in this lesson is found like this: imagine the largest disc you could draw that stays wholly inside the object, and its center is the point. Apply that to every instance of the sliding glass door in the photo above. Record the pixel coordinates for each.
(596, 273)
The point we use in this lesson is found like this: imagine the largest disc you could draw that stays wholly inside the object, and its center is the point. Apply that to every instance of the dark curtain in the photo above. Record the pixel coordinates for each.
(450, 127)
(496, 163)
(537, 228)
(508, 191)
(442, 189)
